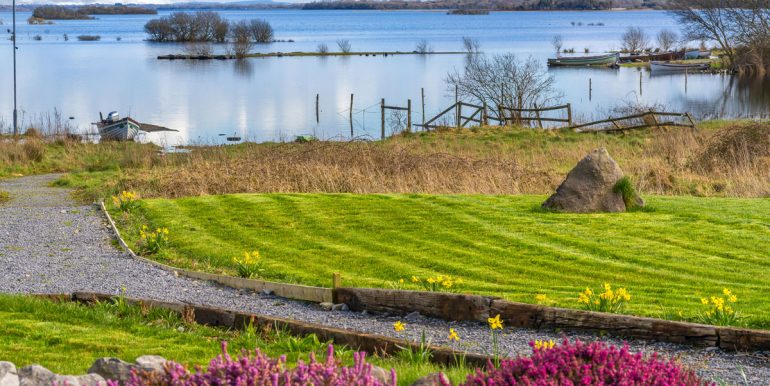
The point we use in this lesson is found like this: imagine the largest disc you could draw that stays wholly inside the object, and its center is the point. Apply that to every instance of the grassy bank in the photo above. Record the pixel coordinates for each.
(719, 159)
(67, 337)
(668, 257)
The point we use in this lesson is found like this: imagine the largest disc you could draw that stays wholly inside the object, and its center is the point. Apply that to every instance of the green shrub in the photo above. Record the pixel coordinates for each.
(626, 189)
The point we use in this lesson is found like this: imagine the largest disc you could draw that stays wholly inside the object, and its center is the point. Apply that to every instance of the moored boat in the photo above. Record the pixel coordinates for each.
(678, 67)
(660, 56)
(697, 54)
(597, 60)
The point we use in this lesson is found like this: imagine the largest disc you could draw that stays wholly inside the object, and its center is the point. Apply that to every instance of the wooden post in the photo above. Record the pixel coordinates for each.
(336, 283)
(316, 108)
(569, 114)
(382, 119)
(640, 83)
(685, 80)
(590, 88)
(457, 106)
(408, 115)
(458, 112)
(422, 93)
(351, 115)
(537, 114)
(484, 115)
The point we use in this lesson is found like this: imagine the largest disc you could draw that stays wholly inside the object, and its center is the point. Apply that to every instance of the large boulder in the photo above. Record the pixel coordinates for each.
(8, 374)
(591, 187)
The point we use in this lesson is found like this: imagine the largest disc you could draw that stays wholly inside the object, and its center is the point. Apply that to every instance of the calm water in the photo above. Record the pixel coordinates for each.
(274, 98)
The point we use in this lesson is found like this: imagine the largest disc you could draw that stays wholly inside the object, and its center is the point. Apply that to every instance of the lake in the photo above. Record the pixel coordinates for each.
(274, 98)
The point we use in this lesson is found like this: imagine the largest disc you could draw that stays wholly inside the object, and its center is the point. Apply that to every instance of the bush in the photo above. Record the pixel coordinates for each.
(57, 12)
(322, 49)
(34, 151)
(607, 301)
(89, 38)
(259, 369)
(344, 45)
(261, 31)
(584, 364)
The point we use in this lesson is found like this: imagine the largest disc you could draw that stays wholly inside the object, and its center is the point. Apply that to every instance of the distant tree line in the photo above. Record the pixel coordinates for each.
(495, 5)
(207, 26)
(58, 12)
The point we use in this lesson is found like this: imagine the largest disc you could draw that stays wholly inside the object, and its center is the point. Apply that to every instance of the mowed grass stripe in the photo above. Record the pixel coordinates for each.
(500, 245)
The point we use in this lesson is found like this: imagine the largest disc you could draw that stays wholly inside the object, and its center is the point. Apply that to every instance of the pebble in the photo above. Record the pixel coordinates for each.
(40, 255)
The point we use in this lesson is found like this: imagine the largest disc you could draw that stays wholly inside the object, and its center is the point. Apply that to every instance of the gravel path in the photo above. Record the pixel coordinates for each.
(49, 244)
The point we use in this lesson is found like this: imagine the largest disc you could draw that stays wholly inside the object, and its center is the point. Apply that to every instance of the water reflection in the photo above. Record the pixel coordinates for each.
(243, 68)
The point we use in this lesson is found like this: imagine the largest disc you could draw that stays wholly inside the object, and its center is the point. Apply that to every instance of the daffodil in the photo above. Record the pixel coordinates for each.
(540, 298)
(495, 323)
(544, 344)
(398, 326)
(453, 335)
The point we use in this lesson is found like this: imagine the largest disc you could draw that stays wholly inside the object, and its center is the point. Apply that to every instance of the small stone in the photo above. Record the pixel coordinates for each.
(712, 349)
(414, 316)
(327, 306)
(380, 374)
(180, 329)
(435, 379)
(8, 374)
(151, 362)
(112, 368)
(267, 292)
(340, 307)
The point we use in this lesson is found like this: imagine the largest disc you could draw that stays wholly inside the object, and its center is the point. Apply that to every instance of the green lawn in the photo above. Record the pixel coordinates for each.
(67, 337)
(668, 257)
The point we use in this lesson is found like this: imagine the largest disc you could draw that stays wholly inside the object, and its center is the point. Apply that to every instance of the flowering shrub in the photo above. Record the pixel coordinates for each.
(719, 312)
(584, 364)
(151, 242)
(258, 369)
(249, 265)
(607, 301)
(126, 201)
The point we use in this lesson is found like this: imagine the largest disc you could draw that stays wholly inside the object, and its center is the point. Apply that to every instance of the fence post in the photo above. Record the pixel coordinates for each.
(569, 114)
(351, 115)
(422, 93)
(408, 115)
(458, 113)
(316, 108)
(382, 118)
(484, 116)
(457, 107)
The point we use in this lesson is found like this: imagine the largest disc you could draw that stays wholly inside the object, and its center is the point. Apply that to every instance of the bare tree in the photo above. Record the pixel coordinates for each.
(635, 40)
(557, 42)
(423, 47)
(261, 31)
(666, 39)
(344, 45)
(708, 19)
(240, 33)
(322, 48)
(504, 80)
(471, 45)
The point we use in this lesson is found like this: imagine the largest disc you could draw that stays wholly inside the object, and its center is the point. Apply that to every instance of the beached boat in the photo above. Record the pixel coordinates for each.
(660, 56)
(598, 60)
(697, 54)
(678, 67)
(115, 128)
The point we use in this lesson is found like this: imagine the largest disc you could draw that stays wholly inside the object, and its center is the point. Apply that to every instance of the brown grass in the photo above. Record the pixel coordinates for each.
(486, 160)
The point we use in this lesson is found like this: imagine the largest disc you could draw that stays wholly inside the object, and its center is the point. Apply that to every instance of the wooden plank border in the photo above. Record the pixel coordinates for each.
(371, 343)
(459, 307)
(289, 291)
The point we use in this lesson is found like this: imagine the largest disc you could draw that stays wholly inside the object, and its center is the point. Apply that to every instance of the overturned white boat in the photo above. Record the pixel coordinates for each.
(115, 128)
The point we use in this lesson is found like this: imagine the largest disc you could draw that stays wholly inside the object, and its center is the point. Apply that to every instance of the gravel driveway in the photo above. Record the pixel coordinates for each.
(50, 244)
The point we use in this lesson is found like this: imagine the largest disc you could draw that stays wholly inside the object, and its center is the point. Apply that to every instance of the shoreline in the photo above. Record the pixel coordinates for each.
(302, 54)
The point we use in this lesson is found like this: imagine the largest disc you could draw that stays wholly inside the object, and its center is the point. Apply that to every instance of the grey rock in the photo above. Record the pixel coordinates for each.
(35, 375)
(79, 380)
(267, 292)
(380, 374)
(589, 186)
(435, 379)
(151, 362)
(340, 307)
(112, 368)
(413, 316)
(8, 374)
(327, 306)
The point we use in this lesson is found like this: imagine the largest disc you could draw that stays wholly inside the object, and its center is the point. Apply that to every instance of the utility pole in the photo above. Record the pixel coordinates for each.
(15, 113)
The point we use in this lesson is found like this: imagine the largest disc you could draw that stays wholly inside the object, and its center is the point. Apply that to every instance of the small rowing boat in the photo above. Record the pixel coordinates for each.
(659, 56)
(678, 67)
(598, 60)
(115, 128)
